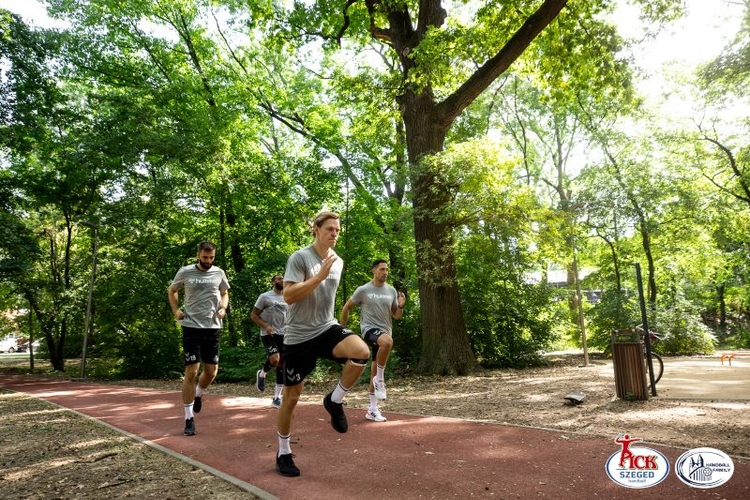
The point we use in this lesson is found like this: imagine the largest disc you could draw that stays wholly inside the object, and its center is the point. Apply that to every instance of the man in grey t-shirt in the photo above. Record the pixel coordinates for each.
(379, 302)
(205, 305)
(269, 313)
(312, 332)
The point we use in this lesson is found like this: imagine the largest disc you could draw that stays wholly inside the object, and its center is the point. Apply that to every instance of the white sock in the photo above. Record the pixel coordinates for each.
(381, 373)
(277, 390)
(199, 390)
(373, 402)
(284, 446)
(339, 393)
(188, 411)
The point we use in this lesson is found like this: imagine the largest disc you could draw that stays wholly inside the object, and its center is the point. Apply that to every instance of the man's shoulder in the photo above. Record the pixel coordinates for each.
(302, 253)
(185, 269)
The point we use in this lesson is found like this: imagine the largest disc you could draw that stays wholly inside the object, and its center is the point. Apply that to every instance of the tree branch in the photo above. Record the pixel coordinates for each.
(497, 65)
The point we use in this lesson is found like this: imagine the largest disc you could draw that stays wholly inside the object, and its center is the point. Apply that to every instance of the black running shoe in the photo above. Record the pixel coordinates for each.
(285, 466)
(260, 381)
(189, 427)
(197, 404)
(338, 419)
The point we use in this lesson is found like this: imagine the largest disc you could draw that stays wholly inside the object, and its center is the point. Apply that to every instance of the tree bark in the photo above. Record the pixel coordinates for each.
(445, 343)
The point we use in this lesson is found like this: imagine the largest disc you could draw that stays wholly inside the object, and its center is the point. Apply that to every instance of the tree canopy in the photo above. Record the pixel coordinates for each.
(477, 146)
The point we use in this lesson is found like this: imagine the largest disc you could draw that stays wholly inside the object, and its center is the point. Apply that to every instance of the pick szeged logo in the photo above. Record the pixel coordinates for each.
(704, 468)
(635, 466)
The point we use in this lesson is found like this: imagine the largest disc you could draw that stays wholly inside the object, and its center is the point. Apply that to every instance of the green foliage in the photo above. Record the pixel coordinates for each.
(616, 310)
(146, 352)
(239, 364)
(683, 333)
(508, 319)
(740, 336)
(106, 368)
(167, 125)
(510, 325)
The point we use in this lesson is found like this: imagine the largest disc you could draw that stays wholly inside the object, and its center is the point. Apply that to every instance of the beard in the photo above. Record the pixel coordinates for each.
(205, 266)
(278, 286)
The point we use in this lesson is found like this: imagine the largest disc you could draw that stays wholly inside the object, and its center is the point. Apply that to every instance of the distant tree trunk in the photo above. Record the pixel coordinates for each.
(233, 338)
(721, 297)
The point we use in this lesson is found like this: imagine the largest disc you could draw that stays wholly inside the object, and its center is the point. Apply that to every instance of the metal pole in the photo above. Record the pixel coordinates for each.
(94, 228)
(31, 337)
(644, 321)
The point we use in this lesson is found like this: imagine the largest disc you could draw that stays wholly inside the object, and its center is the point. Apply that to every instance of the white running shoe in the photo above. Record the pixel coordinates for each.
(379, 388)
(375, 415)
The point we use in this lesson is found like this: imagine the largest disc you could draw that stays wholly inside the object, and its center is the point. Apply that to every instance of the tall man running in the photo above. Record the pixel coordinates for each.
(310, 283)
(379, 302)
(205, 305)
(269, 313)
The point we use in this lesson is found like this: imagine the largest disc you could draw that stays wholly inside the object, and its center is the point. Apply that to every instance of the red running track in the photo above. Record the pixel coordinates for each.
(407, 457)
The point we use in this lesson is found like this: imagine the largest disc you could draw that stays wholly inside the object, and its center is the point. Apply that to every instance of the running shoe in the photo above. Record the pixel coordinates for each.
(338, 419)
(375, 415)
(189, 427)
(379, 388)
(285, 466)
(197, 404)
(276, 402)
(260, 381)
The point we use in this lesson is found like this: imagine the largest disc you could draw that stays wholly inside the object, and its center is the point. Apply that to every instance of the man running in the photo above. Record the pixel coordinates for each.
(379, 302)
(205, 304)
(310, 283)
(269, 313)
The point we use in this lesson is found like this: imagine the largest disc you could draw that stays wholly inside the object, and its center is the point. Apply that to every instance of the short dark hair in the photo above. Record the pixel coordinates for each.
(378, 262)
(206, 246)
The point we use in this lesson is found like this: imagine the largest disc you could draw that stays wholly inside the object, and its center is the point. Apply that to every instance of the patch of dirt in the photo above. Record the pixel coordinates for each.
(47, 452)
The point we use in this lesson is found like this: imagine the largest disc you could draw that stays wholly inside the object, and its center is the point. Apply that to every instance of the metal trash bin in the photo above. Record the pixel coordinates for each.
(630, 365)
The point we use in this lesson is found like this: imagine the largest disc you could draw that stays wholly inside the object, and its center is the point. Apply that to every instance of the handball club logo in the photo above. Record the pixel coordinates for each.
(641, 467)
(704, 467)
(636, 466)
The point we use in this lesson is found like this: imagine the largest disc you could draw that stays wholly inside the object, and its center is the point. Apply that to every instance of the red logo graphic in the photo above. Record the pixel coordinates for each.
(636, 466)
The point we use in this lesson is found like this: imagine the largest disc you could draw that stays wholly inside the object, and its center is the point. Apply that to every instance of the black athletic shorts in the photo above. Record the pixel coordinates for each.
(300, 359)
(371, 338)
(200, 344)
(272, 343)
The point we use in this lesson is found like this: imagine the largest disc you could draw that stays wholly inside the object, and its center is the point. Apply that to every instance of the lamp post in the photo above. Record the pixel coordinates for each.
(95, 230)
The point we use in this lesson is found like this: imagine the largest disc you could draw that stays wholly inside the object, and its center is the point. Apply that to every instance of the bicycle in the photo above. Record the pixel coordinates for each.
(656, 361)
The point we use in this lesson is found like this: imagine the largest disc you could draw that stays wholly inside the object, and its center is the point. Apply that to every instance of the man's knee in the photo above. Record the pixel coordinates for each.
(191, 376)
(353, 347)
(385, 341)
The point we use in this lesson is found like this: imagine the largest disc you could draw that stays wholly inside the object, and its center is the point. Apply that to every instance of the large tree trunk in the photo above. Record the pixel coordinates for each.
(445, 344)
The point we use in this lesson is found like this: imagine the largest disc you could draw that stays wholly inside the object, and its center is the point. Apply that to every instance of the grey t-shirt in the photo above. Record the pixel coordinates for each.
(202, 295)
(377, 303)
(314, 314)
(273, 311)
